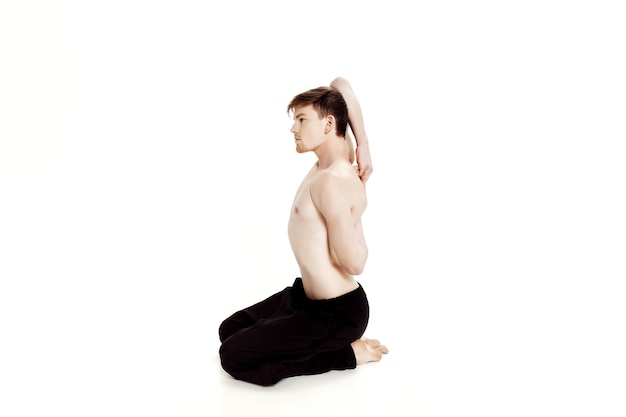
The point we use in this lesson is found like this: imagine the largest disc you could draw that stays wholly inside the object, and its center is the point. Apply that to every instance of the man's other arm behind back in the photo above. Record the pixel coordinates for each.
(340, 198)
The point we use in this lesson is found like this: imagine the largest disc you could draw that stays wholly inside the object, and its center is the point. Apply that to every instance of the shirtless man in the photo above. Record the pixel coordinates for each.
(315, 325)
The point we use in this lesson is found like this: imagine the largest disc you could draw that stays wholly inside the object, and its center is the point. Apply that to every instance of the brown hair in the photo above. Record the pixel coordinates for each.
(326, 101)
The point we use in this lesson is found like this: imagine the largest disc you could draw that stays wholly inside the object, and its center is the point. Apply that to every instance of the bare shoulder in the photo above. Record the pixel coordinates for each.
(338, 182)
(339, 175)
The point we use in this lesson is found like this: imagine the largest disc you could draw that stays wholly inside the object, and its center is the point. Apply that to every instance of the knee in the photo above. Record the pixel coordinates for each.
(229, 357)
(228, 328)
(223, 331)
(234, 363)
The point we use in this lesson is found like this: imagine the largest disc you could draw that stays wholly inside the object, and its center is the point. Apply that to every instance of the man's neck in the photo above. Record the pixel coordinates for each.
(332, 150)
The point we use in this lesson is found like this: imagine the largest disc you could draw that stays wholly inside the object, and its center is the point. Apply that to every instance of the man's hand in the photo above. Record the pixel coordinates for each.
(364, 162)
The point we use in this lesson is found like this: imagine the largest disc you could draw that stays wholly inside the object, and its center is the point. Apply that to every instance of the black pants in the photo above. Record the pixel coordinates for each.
(288, 334)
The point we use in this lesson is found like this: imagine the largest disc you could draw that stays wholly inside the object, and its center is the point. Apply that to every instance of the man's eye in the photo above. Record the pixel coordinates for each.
(301, 120)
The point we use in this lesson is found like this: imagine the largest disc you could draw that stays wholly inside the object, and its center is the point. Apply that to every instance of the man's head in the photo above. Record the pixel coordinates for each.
(327, 102)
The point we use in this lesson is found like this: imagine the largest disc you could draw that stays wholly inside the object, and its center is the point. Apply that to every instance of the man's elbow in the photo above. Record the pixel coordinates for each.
(351, 259)
(339, 83)
(356, 265)
(351, 266)
(355, 269)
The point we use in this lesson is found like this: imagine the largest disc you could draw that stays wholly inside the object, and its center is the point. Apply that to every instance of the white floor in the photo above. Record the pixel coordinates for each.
(128, 351)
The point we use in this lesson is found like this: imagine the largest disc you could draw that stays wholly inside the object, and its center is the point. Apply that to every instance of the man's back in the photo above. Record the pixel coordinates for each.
(325, 230)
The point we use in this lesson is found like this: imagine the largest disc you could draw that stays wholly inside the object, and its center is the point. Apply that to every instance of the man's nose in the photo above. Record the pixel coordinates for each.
(293, 129)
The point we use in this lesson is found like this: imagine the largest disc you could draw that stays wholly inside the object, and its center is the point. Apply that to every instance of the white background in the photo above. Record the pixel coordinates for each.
(147, 171)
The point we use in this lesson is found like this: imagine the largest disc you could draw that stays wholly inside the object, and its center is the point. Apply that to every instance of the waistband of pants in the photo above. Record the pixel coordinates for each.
(356, 296)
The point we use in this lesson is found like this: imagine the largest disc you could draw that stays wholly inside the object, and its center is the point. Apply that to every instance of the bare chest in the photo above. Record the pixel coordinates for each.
(303, 209)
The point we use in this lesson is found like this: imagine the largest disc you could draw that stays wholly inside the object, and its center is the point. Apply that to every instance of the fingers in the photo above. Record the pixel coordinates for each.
(364, 161)
(364, 174)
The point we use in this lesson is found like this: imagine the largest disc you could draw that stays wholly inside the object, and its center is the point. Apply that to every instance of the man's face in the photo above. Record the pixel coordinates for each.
(307, 129)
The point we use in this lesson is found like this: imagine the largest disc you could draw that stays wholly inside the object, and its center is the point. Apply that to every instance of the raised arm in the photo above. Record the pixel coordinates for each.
(355, 115)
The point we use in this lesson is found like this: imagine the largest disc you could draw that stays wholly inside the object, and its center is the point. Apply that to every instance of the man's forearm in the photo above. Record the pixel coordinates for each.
(355, 114)
(355, 118)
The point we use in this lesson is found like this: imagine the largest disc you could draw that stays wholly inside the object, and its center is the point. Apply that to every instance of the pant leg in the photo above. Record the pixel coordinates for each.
(251, 315)
(302, 337)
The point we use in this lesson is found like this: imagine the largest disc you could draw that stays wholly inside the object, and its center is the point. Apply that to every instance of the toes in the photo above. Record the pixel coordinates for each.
(373, 342)
(375, 346)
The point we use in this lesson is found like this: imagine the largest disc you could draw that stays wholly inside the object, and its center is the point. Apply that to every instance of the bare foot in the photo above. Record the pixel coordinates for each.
(368, 350)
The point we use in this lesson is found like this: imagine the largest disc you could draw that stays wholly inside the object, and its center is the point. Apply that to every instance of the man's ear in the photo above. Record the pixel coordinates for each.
(330, 123)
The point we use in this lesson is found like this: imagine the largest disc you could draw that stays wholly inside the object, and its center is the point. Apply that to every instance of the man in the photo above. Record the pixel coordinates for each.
(315, 325)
